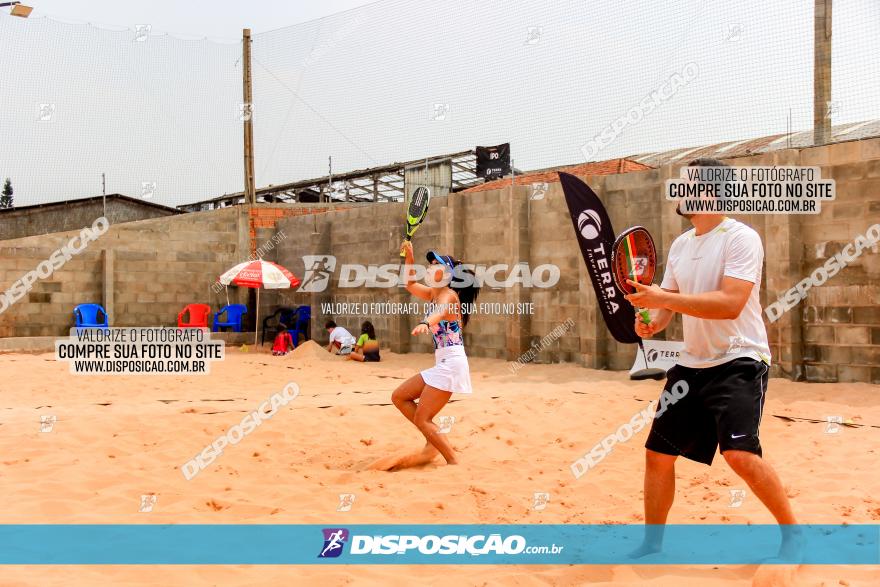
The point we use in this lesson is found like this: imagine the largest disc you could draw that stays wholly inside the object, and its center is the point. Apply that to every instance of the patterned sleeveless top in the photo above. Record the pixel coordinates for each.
(446, 333)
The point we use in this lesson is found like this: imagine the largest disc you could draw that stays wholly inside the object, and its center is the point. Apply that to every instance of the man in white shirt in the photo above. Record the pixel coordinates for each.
(341, 340)
(712, 278)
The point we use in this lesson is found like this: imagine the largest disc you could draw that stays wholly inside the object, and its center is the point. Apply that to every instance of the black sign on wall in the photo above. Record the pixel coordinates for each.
(493, 162)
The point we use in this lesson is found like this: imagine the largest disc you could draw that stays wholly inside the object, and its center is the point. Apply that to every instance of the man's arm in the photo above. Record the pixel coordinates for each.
(723, 304)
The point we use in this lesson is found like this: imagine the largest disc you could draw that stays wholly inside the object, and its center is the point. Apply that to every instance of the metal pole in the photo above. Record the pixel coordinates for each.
(250, 191)
(329, 176)
(512, 177)
(822, 72)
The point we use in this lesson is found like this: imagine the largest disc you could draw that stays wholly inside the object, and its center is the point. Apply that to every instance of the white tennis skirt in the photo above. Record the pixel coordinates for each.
(451, 371)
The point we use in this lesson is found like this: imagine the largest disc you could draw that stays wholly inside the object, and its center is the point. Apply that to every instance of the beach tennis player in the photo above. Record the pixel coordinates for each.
(451, 374)
(712, 278)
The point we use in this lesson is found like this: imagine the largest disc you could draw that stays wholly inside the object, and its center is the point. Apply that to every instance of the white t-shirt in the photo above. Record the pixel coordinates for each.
(342, 336)
(696, 264)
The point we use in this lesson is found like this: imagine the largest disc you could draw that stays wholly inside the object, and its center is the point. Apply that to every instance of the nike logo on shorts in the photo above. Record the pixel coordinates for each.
(737, 435)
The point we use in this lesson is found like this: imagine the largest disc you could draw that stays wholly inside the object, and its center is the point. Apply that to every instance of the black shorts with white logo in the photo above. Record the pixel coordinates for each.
(722, 407)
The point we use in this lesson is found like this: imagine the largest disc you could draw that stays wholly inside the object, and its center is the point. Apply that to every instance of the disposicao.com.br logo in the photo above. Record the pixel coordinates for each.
(334, 540)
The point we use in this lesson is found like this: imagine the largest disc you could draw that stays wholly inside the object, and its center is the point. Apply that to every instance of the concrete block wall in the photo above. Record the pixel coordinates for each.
(143, 272)
(48, 307)
(159, 265)
(832, 336)
(840, 321)
(368, 235)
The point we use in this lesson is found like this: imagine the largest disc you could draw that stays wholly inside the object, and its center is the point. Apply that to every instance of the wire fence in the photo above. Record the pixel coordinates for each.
(564, 81)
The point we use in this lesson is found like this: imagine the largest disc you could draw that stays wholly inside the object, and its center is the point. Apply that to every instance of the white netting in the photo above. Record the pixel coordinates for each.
(399, 80)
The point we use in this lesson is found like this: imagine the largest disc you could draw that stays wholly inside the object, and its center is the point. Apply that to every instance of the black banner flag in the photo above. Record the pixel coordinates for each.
(596, 237)
(493, 162)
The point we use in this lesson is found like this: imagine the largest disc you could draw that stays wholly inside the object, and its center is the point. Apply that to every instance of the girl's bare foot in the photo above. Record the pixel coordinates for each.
(398, 462)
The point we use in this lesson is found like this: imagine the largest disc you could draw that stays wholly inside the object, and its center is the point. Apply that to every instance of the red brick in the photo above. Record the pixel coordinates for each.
(612, 166)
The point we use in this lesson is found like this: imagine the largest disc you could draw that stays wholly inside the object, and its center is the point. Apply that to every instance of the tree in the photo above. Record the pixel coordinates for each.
(6, 198)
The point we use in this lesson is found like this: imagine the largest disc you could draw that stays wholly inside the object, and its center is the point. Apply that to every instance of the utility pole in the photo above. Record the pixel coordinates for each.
(822, 72)
(329, 179)
(247, 112)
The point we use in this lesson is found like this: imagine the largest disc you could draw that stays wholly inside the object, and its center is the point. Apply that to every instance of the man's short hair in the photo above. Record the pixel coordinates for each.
(720, 185)
(330, 324)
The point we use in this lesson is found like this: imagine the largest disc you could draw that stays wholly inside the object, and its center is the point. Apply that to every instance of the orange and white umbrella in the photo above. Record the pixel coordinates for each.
(259, 274)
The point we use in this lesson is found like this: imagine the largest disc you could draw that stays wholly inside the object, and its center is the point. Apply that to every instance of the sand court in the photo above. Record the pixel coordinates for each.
(115, 439)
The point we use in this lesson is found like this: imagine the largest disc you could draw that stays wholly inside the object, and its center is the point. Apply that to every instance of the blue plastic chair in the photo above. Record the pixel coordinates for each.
(86, 316)
(302, 323)
(234, 313)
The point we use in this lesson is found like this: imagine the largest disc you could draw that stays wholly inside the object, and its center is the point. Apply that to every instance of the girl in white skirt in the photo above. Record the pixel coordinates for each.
(450, 301)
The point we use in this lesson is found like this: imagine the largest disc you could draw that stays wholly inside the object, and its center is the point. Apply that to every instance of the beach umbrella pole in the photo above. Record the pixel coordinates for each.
(257, 322)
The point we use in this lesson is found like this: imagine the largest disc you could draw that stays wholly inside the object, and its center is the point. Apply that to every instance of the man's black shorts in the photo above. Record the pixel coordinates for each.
(722, 407)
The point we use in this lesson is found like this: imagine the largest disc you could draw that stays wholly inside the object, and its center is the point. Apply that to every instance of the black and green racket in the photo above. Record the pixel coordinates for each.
(416, 212)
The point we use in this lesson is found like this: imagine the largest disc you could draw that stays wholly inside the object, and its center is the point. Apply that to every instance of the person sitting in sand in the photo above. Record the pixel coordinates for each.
(366, 349)
(341, 340)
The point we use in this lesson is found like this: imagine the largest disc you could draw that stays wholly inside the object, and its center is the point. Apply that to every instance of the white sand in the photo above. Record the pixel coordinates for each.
(517, 435)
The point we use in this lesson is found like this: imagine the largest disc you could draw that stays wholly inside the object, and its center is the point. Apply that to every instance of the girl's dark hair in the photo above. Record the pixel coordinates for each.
(329, 324)
(367, 328)
(464, 284)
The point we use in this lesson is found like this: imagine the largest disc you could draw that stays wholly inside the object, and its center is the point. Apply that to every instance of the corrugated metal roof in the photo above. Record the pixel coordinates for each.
(109, 198)
(742, 148)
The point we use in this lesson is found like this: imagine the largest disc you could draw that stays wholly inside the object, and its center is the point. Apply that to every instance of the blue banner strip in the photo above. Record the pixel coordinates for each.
(297, 544)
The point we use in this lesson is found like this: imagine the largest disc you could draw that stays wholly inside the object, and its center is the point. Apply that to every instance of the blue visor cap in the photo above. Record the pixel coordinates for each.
(442, 259)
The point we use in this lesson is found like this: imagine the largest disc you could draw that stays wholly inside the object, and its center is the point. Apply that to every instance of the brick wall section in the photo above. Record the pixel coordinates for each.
(367, 235)
(263, 216)
(834, 335)
(48, 307)
(830, 335)
(159, 266)
(162, 264)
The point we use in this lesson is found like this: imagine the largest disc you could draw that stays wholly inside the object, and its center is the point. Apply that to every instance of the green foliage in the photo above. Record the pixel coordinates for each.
(6, 198)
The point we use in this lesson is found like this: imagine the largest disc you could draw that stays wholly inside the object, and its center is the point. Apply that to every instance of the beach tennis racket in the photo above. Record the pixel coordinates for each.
(634, 257)
(416, 212)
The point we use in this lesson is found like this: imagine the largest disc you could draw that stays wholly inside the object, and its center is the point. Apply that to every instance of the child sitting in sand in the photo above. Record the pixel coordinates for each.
(341, 340)
(366, 349)
(283, 343)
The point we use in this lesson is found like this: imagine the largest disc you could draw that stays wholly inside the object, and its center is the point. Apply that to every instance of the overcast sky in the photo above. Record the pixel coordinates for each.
(369, 83)
(220, 20)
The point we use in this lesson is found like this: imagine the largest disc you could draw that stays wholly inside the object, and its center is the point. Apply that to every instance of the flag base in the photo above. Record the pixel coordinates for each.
(651, 373)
